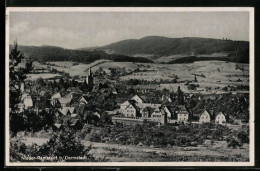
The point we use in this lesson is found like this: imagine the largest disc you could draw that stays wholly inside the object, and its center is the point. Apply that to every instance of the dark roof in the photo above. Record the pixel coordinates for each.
(75, 96)
(121, 100)
(198, 112)
(40, 104)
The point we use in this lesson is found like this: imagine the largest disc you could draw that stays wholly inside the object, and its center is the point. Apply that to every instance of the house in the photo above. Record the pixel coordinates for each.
(72, 109)
(55, 103)
(205, 116)
(81, 109)
(159, 115)
(56, 96)
(42, 93)
(74, 89)
(156, 115)
(138, 99)
(74, 96)
(114, 91)
(237, 121)
(169, 111)
(166, 98)
(97, 114)
(221, 118)
(182, 114)
(27, 101)
(125, 104)
(196, 115)
(75, 116)
(64, 111)
(131, 111)
(57, 126)
(146, 112)
(83, 99)
(64, 101)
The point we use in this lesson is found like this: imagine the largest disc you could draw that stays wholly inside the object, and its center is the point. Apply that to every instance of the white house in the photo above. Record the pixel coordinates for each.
(56, 96)
(130, 111)
(124, 105)
(182, 114)
(220, 118)
(64, 101)
(159, 115)
(27, 101)
(205, 117)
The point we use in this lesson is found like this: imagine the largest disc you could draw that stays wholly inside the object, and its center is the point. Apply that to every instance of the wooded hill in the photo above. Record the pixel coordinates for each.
(53, 53)
(238, 51)
(155, 47)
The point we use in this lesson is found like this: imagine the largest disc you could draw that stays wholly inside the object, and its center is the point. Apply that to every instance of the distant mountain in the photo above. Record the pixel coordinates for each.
(53, 53)
(156, 47)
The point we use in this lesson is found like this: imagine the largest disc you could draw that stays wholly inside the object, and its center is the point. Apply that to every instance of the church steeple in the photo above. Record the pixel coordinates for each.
(89, 79)
(89, 72)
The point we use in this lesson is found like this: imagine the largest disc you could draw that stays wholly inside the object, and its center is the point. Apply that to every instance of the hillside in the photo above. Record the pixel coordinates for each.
(53, 53)
(156, 47)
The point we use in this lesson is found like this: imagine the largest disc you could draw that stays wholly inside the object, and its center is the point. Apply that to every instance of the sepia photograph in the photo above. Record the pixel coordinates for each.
(152, 86)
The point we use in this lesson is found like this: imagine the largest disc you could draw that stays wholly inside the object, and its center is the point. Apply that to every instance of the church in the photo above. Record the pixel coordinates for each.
(90, 79)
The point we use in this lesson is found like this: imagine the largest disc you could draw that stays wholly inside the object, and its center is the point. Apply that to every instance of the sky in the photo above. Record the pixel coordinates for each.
(89, 29)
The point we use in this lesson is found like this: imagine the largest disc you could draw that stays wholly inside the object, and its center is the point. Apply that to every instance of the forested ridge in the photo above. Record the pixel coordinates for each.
(238, 51)
(53, 53)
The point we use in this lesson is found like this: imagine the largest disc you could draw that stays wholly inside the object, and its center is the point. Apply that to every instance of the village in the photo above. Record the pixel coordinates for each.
(77, 102)
(102, 86)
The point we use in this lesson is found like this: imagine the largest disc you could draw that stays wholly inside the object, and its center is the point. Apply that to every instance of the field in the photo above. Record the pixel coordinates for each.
(41, 75)
(214, 74)
(129, 153)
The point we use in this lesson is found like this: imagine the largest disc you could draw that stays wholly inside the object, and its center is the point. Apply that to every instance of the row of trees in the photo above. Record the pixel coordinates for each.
(169, 135)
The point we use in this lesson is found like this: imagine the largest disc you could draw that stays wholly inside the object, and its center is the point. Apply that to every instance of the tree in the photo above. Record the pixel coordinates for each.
(16, 77)
(195, 79)
(180, 98)
(40, 81)
(62, 144)
(61, 81)
(17, 123)
(243, 137)
(191, 87)
(233, 143)
(104, 118)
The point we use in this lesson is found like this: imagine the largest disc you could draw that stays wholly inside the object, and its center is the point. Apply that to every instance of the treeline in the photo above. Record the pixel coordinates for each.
(51, 53)
(187, 135)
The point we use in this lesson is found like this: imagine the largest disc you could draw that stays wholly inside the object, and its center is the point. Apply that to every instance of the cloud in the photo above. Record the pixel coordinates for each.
(45, 36)
(20, 27)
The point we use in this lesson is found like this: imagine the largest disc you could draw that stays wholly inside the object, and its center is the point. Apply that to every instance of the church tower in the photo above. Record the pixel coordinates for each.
(89, 79)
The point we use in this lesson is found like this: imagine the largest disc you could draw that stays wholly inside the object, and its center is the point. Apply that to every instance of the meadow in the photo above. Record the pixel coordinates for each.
(214, 74)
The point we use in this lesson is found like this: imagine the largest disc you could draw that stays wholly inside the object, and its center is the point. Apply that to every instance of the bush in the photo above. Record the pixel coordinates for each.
(95, 137)
(232, 143)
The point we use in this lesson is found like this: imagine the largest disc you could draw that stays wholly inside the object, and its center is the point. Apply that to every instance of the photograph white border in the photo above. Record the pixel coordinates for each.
(135, 9)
